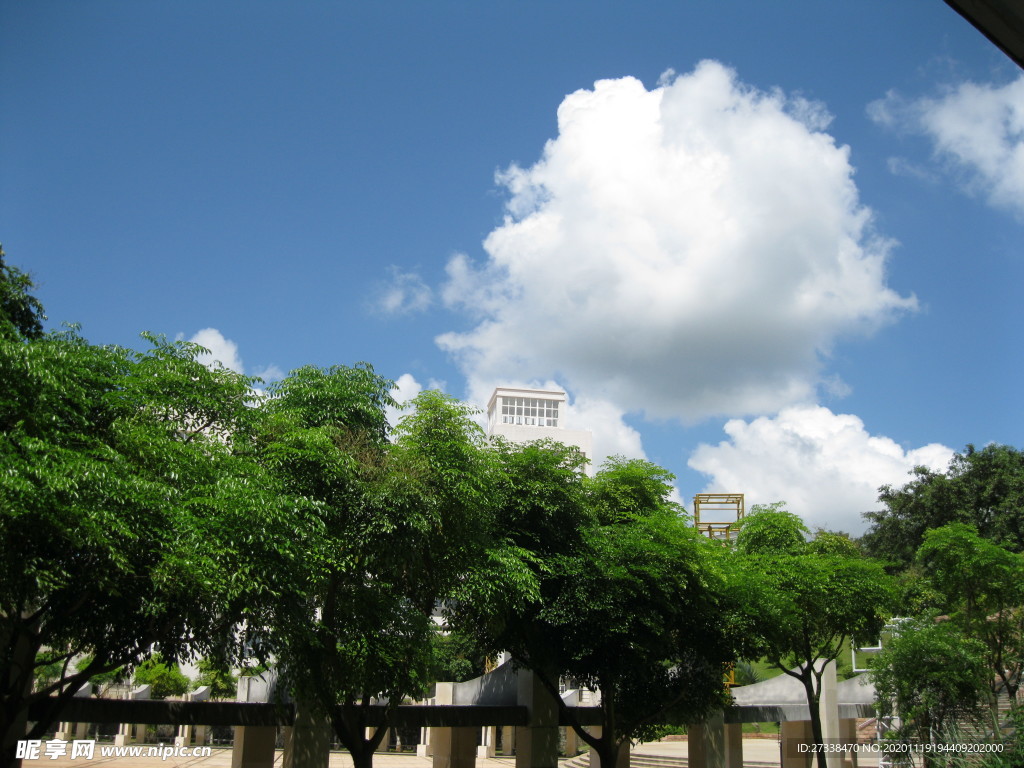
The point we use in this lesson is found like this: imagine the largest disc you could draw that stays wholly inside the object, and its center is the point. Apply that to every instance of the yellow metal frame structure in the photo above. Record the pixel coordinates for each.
(719, 507)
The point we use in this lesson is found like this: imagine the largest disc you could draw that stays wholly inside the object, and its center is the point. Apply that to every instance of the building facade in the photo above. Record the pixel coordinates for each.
(524, 415)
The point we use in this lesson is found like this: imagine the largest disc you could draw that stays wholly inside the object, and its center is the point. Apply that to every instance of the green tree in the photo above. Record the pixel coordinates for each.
(48, 671)
(167, 679)
(983, 488)
(131, 513)
(21, 314)
(807, 598)
(629, 600)
(102, 680)
(930, 675)
(396, 525)
(456, 657)
(771, 530)
(982, 588)
(539, 513)
(217, 675)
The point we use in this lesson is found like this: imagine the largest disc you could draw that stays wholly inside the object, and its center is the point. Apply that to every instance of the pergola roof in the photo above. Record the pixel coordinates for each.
(1001, 21)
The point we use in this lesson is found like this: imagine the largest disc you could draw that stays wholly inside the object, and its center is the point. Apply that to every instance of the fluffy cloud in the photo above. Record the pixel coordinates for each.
(225, 352)
(269, 373)
(222, 350)
(978, 127)
(612, 435)
(405, 389)
(690, 250)
(826, 466)
(406, 293)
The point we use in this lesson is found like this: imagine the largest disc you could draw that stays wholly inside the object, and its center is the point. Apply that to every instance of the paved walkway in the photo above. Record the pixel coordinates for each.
(221, 758)
(756, 752)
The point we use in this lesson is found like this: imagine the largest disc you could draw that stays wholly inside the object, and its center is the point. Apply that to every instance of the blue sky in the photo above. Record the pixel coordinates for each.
(775, 248)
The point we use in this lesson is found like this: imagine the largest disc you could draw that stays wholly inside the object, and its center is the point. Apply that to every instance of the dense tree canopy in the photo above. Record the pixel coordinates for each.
(807, 598)
(955, 540)
(394, 525)
(21, 314)
(628, 599)
(983, 488)
(131, 512)
(538, 515)
(151, 504)
(930, 675)
(981, 587)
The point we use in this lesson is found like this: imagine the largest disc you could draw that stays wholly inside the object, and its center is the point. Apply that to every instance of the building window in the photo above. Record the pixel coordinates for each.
(530, 411)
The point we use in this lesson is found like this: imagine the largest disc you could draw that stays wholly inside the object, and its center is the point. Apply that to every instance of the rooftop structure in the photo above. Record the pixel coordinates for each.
(524, 415)
(718, 515)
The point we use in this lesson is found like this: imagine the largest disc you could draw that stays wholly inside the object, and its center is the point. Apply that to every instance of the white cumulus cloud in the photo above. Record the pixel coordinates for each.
(977, 127)
(269, 373)
(405, 293)
(685, 251)
(406, 388)
(222, 350)
(826, 466)
(612, 435)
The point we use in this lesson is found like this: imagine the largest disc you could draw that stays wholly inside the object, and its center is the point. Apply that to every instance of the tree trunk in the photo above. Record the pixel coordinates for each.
(362, 758)
(926, 758)
(13, 728)
(608, 751)
(813, 701)
(7, 755)
(350, 725)
(606, 746)
(14, 696)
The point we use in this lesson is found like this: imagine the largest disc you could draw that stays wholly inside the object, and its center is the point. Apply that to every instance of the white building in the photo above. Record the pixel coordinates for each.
(524, 415)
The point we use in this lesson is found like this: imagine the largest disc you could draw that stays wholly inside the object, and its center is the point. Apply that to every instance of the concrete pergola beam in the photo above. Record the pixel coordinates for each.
(248, 713)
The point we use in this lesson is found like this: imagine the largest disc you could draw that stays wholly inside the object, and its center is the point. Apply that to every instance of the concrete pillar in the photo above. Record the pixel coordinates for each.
(706, 746)
(828, 709)
(425, 748)
(452, 747)
(733, 745)
(508, 739)
(572, 741)
(185, 733)
(183, 738)
(848, 734)
(125, 734)
(792, 734)
(71, 731)
(537, 742)
(455, 747)
(128, 733)
(254, 746)
(488, 738)
(307, 743)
